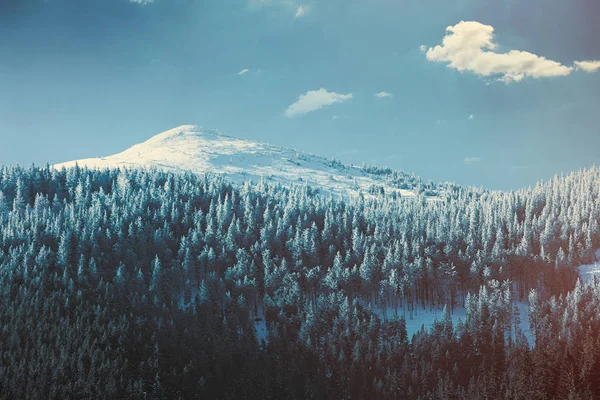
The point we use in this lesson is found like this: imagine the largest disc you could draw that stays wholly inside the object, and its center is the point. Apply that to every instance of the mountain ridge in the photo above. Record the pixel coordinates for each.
(199, 150)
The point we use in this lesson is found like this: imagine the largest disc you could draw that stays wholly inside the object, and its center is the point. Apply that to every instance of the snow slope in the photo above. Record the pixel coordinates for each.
(588, 272)
(189, 148)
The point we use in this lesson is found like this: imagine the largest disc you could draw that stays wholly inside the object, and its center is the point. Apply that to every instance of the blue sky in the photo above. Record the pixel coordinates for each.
(501, 102)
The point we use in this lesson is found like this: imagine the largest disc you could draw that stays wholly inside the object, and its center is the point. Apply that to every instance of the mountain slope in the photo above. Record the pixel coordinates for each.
(189, 148)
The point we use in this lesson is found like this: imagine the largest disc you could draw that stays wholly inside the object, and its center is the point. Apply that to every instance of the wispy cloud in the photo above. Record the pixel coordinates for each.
(243, 72)
(471, 160)
(382, 95)
(469, 46)
(314, 100)
(471, 117)
(302, 11)
(588, 66)
(142, 2)
(423, 48)
(292, 7)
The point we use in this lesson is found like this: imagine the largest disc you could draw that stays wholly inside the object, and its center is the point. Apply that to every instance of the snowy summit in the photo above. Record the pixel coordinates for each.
(193, 149)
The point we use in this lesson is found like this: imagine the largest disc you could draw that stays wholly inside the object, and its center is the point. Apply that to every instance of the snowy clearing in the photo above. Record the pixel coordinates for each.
(589, 271)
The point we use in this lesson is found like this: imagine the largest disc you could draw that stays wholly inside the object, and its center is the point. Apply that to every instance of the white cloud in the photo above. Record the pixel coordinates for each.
(243, 72)
(588, 66)
(382, 95)
(469, 46)
(314, 100)
(302, 11)
(471, 160)
(423, 48)
(142, 2)
(471, 117)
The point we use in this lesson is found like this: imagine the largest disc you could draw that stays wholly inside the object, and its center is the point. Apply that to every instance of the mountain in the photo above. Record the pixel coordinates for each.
(189, 148)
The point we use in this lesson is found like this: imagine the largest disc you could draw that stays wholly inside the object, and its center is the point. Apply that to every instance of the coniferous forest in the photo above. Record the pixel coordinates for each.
(141, 284)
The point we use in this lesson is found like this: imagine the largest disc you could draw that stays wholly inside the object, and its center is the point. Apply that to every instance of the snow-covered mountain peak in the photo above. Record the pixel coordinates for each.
(195, 149)
(182, 130)
(180, 134)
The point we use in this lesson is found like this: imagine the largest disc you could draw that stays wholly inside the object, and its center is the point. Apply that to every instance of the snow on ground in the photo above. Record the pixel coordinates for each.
(420, 316)
(260, 326)
(586, 272)
(524, 325)
(189, 148)
(426, 317)
(589, 271)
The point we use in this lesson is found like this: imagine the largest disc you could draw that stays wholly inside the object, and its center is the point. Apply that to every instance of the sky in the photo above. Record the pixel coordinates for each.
(492, 93)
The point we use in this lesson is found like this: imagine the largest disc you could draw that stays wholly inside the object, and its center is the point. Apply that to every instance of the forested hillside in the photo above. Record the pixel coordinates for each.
(147, 284)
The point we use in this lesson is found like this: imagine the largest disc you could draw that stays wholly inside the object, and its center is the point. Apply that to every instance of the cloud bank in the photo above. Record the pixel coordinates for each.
(314, 100)
(469, 46)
